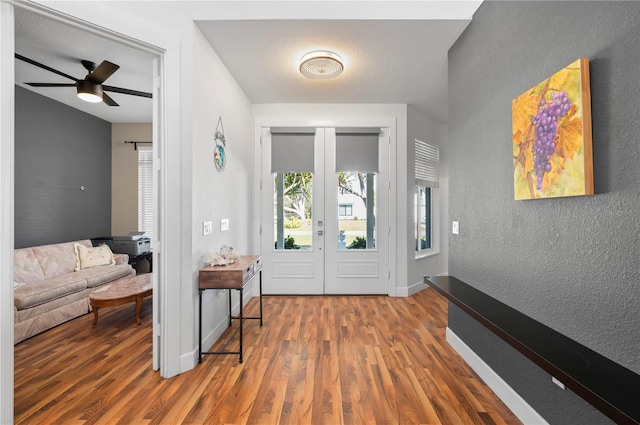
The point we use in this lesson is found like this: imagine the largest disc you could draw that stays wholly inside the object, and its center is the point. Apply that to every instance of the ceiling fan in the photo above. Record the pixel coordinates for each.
(90, 88)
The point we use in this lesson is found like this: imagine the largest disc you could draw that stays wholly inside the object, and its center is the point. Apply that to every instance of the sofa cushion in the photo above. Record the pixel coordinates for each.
(41, 292)
(58, 303)
(26, 267)
(97, 276)
(57, 259)
(93, 257)
(121, 258)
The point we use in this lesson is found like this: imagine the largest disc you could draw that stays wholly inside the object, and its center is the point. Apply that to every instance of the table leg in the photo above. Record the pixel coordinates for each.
(260, 280)
(138, 308)
(241, 324)
(229, 291)
(95, 315)
(200, 328)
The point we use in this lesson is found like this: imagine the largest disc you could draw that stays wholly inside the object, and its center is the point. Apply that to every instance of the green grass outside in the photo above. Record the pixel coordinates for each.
(359, 226)
(346, 225)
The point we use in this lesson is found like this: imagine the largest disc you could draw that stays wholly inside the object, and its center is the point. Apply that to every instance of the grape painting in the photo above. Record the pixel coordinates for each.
(552, 136)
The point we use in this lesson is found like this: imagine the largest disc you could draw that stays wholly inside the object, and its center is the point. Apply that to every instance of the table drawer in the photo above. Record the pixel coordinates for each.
(232, 276)
(257, 266)
(247, 273)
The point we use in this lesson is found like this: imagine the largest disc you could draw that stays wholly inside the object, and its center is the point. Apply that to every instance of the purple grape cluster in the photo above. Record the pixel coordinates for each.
(546, 126)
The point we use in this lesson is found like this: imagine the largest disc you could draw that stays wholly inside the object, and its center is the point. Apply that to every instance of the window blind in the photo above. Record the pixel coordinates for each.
(145, 190)
(292, 150)
(357, 149)
(426, 164)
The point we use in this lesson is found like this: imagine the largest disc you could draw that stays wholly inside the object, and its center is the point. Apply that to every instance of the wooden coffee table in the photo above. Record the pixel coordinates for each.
(128, 290)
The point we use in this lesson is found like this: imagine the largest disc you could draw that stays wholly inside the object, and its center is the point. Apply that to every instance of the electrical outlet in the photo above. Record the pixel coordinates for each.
(455, 228)
(207, 228)
(224, 224)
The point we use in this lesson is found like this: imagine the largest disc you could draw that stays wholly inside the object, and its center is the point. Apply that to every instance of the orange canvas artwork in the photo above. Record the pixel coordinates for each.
(552, 136)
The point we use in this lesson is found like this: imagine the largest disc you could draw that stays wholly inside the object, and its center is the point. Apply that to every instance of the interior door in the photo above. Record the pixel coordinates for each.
(324, 210)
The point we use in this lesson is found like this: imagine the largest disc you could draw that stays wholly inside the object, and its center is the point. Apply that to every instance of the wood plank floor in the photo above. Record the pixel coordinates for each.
(317, 360)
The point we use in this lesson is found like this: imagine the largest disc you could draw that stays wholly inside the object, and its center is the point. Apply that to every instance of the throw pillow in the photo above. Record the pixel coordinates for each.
(92, 257)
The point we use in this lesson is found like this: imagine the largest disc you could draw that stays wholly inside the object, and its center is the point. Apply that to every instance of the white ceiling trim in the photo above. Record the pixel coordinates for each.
(336, 9)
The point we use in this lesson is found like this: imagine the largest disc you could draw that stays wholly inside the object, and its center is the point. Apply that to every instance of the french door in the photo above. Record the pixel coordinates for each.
(325, 210)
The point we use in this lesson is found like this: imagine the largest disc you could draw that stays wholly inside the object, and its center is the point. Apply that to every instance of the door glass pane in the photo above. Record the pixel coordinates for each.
(292, 210)
(356, 210)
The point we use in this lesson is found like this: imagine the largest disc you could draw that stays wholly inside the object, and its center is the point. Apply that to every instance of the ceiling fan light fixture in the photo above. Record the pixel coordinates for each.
(321, 65)
(89, 91)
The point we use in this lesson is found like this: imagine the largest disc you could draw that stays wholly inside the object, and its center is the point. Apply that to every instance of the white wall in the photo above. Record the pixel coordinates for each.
(358, 208)
(124, 175)
(217, 195)
(433, 132)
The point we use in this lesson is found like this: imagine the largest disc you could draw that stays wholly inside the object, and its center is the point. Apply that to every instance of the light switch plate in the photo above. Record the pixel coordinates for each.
(224, 224)
(455, 228)
(207, 228)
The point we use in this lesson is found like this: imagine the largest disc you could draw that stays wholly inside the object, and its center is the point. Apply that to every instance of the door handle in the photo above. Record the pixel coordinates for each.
(320, 232)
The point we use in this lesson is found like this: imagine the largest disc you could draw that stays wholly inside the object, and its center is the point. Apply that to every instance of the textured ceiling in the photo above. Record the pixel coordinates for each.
(62, 47)
(386, 61)
(394, 51)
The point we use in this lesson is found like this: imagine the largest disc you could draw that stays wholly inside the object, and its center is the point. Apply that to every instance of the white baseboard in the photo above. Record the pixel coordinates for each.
(512, 399)
(407, 291)
(189, 360)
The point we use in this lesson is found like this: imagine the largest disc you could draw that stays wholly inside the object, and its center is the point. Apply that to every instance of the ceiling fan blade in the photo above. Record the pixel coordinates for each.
(48, 68)
(106, 99)
(51, 84)
(126, 91)
(102, 72)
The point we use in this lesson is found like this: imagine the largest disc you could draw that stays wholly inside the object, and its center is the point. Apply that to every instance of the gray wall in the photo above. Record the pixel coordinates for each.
(58, 149)
(570, 263)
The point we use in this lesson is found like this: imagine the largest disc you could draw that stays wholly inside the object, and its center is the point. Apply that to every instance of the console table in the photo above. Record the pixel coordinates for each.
(233, 276)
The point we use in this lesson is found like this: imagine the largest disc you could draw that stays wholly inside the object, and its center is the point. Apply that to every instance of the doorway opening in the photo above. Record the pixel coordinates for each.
(155, 70)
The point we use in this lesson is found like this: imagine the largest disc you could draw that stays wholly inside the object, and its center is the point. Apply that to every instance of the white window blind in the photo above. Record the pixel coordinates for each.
(145, 190)
(426, 164)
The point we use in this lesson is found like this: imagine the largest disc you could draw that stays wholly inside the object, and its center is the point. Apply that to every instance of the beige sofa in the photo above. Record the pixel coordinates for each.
(52, 283)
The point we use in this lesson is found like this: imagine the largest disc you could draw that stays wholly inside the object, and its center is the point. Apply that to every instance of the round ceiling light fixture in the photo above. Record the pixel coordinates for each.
(321, 65)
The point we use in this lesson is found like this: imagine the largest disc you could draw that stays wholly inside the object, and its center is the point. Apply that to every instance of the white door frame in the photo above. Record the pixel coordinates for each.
(324, 121)
(164, 337)
(6, 210)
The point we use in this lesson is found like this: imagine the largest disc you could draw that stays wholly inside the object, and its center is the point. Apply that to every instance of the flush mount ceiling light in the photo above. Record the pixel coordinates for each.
(89, 91)
(321, 65)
